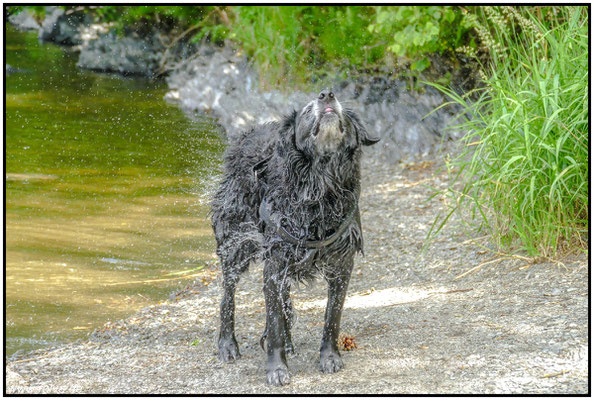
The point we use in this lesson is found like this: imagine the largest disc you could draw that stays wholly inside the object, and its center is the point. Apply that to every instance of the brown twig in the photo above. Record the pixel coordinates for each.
(481, 265)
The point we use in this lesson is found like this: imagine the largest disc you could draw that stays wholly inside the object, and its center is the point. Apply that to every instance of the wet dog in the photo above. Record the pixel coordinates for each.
(290, 197)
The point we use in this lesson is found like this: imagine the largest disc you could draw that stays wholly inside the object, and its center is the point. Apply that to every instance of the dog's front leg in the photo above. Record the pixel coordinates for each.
(275, 283)
(330, 360)
(228, 348)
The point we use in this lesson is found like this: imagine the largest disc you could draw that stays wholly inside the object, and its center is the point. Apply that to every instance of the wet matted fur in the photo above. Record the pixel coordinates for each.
(290, 198)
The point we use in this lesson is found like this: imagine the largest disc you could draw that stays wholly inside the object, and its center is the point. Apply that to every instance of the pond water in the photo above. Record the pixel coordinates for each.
(106, 195)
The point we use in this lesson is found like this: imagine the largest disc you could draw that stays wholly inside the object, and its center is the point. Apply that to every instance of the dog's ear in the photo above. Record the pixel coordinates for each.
(287, 133)
(363, 135)
(303, 126)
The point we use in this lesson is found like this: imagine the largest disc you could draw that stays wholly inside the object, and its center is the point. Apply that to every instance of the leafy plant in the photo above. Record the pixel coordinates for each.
(413, 32)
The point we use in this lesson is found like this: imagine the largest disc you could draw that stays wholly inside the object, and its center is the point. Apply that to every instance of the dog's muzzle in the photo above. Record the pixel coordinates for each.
(329, 131)
(327, 104)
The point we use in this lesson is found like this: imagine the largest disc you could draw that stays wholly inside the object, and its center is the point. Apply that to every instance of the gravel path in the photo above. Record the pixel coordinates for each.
(507, 326)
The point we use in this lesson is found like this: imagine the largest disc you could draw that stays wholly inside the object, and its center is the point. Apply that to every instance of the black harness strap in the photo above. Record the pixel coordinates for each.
(313, 245)
(309, 244)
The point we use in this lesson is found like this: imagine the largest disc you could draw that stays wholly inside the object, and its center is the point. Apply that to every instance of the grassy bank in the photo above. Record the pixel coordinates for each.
(524, 174)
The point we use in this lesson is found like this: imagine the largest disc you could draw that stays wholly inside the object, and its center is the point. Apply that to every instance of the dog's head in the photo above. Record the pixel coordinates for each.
(323, 127)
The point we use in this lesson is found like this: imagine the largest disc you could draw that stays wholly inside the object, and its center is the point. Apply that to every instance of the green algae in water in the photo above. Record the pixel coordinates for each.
(106, 185)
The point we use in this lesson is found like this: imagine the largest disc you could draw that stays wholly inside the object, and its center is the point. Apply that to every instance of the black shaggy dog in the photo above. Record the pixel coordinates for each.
(290, 198)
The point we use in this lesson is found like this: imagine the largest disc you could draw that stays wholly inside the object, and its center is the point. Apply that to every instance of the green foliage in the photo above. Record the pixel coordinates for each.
(524, 175)
(122, 16)
(273, 36)
(341, 34)
(183, 15)
(38, 12)
(293, 44)
(166, 17)
(215, 33)
(413, 32)
(295, 41)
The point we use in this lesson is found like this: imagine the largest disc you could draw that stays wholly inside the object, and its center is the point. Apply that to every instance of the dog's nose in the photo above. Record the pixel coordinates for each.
(326, 95)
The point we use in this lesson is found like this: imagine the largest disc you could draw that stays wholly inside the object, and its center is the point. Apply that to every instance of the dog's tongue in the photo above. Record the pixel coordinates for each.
(328, 109)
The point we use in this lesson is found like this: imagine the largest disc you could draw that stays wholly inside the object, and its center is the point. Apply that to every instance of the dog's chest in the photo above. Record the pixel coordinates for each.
(318, 220)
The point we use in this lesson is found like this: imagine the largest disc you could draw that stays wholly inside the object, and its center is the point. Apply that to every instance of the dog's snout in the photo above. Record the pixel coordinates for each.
(326, 95)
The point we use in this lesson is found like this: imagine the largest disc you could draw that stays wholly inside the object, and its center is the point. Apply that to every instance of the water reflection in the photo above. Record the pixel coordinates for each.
(105, 189)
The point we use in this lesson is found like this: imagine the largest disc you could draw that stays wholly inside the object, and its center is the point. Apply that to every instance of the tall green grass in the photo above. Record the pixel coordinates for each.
(523, 177)
(293, 44)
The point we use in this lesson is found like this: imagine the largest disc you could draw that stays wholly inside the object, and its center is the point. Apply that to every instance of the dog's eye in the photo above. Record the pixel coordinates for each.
(321, 96)
(331, 95)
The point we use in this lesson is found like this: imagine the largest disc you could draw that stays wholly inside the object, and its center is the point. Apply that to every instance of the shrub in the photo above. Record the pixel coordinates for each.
(414, 32)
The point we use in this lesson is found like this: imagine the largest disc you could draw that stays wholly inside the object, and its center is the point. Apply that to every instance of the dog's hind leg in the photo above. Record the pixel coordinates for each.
(330, 360)
(275, 286)
(228, 348)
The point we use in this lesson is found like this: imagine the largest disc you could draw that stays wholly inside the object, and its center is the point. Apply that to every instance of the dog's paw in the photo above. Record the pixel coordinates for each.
(330, 362)
(278, 376)
(228, 350)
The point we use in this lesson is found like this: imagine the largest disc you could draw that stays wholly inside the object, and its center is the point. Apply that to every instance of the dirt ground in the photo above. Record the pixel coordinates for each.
(457, 319)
